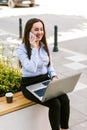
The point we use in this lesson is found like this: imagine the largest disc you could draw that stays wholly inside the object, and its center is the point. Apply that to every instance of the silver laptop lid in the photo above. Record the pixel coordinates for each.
(61, 86)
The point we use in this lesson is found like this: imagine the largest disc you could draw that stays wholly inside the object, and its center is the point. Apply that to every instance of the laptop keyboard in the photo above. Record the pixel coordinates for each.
(40, 92)
(46, 82)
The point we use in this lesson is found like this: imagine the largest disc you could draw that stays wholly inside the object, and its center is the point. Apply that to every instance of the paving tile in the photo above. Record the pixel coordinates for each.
(83, 93)
(78, 113)
(77, 58)
(75, 66)
(82, 126)
(76, 99)
(80, 86)
(76, 117)
(83, 77)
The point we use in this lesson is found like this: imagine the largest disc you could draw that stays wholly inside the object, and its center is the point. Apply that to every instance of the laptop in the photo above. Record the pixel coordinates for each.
(48, 89)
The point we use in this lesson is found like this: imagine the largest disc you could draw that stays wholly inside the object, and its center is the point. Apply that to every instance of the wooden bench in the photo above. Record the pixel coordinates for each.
(33, 116)
(19, 102)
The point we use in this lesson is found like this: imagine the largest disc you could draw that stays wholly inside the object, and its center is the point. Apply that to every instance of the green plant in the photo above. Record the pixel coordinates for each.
(10, 79)
(10, 76)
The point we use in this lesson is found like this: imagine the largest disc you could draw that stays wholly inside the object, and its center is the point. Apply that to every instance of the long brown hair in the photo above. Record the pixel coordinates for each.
(25, 39)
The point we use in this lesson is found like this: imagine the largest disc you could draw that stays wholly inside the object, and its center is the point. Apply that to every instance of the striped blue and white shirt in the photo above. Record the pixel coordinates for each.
(37, 64)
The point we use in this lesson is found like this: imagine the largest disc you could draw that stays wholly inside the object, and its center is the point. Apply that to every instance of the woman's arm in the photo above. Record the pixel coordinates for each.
(51, 70)
(28, 64)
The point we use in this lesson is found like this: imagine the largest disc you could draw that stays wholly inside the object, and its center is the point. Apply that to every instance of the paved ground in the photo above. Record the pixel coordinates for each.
(71, 58)
(67, 62)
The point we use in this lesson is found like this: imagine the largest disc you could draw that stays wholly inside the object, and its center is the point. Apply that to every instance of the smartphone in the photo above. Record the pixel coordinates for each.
(33, 35)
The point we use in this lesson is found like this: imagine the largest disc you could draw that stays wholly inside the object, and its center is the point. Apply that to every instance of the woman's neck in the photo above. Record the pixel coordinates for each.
(38, 44)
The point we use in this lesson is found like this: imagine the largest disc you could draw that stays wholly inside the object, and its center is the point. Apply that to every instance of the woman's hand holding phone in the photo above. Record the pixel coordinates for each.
(32, 39)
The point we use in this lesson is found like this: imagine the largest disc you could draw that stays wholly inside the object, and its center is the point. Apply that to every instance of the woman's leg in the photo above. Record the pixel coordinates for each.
(54, 113)
(58, 107)
(54, 109)
(58, 110)
(65, 111)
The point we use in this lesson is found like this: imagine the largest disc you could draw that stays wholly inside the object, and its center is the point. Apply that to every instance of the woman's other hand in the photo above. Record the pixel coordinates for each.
(54, 78)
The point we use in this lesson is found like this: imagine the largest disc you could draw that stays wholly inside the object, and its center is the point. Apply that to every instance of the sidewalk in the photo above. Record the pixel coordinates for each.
(68, 62)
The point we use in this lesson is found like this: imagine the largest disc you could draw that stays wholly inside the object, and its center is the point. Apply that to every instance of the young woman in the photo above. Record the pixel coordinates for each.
(37, 66)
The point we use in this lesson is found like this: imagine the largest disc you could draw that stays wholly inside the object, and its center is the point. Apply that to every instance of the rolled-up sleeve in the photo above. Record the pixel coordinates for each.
(51, 71)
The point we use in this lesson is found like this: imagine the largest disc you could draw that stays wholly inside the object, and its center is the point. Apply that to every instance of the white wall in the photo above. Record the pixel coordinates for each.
(31, 118)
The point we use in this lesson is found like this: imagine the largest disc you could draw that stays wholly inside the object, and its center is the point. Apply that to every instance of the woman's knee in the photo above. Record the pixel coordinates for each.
(64, 98)
(53, 103)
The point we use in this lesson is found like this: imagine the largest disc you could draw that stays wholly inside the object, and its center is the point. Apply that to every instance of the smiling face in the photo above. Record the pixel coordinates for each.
(37, 30)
